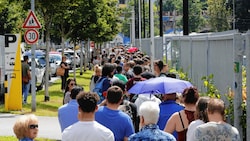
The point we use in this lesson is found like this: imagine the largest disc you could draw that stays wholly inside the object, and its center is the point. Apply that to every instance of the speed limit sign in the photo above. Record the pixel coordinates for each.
(31, 36)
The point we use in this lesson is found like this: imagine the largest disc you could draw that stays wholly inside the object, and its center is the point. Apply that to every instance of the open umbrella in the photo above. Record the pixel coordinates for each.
(132, 49)
(160, 85)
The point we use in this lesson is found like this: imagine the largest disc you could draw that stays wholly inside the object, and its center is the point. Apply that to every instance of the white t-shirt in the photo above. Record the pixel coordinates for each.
(191, 128)
(87, 131)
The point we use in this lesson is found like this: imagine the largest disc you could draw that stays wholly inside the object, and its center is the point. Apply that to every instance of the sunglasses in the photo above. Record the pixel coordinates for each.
(33, 126)
(72, 84)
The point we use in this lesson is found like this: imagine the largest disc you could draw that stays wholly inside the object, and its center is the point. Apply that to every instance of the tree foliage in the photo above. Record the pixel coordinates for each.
(74, 19)
(219, 16)
(196, 19)
(12, 16)
(96, 19)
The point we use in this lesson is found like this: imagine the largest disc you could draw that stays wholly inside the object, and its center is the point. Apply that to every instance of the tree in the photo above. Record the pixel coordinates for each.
(168, 5)
(12, 16)
(196, 19)
(47, 8)
(96, 19)
(219, 16)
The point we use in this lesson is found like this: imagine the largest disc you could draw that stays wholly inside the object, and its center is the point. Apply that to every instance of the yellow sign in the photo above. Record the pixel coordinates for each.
(13, 98)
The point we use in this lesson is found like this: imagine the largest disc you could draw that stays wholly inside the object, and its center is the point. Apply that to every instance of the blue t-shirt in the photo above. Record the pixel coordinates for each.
(151, 132)
(117, 121)
(26, 139)
(167, 108)
(67, 114)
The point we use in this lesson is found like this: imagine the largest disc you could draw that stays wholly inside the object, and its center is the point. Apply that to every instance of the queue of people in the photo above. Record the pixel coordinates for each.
(109, 112)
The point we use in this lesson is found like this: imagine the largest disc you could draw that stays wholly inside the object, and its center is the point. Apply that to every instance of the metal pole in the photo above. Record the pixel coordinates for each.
(144, 19)
(139, 7)
(149, 11)
(237, 101)
(248, 83)
(2, 66)
(133, 26)
(233, 14)
(161, 20)
(33, 83)
(152, 34)
(185, 17)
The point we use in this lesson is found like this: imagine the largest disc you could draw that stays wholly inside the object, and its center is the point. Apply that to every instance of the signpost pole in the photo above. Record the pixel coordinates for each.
(33, 84)
(152, 47)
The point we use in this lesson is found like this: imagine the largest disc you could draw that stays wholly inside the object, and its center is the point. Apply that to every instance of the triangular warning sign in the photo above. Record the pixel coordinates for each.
(31, 21)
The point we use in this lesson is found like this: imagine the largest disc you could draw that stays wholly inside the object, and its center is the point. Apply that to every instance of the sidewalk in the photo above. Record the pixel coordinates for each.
(48, 126)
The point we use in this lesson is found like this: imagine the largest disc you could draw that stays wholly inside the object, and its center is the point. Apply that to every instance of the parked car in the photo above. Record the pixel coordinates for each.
(55, 59)
(39, 74)
(70, 55)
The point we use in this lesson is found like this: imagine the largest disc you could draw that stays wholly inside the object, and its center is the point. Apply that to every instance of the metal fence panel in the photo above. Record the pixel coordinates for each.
(146, 47)
(202, 55)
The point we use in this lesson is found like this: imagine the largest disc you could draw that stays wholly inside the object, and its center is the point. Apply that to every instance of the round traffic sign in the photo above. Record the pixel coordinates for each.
(31, 36)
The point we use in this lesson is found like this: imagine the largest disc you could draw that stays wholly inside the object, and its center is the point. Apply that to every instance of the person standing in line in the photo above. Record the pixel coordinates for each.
(26, 127)
(95, 77)
(25, 78)
(137, 70)
(149, 114)
(65, 66)
(70, 84)
(128, 107)
(87, 128)
(200, 116)
(109, 116)
(108, 71)
(127, 70)
(67, 113)
(168, 107)
(119, 74)
(180, 121)
(216, 129)
(160, 69)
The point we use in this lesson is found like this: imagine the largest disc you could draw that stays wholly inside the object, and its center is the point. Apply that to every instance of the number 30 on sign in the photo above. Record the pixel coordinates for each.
(31, 36)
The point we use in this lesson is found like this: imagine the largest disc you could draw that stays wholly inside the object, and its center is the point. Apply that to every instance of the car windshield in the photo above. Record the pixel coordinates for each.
(55, 57)
(42, 60)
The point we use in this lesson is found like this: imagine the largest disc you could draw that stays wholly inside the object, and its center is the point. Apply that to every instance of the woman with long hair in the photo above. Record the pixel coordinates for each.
(200, 117)
(69, 86)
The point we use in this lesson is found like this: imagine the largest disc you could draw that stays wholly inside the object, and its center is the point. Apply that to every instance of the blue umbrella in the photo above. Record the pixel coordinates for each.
(160, 85)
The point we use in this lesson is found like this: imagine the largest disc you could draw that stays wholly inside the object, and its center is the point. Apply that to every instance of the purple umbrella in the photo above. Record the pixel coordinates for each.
(160, 85)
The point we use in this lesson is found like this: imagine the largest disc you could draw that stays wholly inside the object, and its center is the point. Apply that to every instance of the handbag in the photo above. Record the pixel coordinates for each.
(25, 79)
(60, 71)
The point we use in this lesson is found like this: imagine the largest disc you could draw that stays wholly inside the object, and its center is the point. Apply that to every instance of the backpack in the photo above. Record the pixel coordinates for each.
(98, 88)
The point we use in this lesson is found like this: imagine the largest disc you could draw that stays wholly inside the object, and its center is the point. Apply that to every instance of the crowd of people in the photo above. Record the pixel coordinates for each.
(109, 112)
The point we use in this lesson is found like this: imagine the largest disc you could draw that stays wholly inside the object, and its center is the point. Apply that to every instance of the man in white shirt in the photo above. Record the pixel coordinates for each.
(87, 128)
